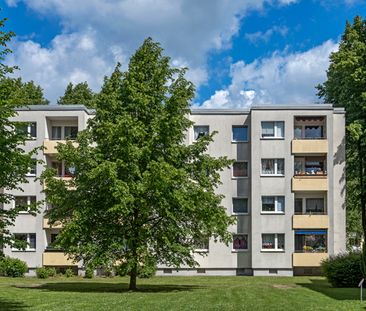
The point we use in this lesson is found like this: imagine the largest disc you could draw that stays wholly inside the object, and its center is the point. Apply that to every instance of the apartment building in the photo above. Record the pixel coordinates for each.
(286, 187)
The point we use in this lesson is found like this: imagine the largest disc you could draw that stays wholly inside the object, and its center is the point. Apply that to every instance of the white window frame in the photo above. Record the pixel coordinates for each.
(232, 134)
(62, 127)
(240, 250)
(276, 249)
(240, 213)
(27, 249)
(28, 202)
(194, 139)
(29, 130)
(29, 173)
(239, 177)
(203, 250)
(276, 211)
(275, 130)
(275, 165)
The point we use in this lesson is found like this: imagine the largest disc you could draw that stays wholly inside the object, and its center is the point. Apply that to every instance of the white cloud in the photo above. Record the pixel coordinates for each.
(99, 32)
(266, 35)
(279, 79)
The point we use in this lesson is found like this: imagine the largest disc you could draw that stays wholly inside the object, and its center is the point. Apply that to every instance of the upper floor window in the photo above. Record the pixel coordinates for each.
(32, 169)
(240, 169)
(64, 132)
(240, 206)
(240, 133)
(240, 242)
(202, 245)
(23, 202)
(309, 206)
(309, 127)
(27, 241)
(29, 129)
(200, 131)
(273, 204)
(63, 170)
(273, 167)
(273, 129)
(310, 165)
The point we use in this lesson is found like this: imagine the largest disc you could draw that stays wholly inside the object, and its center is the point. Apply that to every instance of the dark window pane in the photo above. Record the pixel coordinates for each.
(200, 131)
(240, 133)
(298, 206)
(56, 133)
(240, 169)
(71, 132)
(240, 205)
(240, 241)
(33, 130)
(268, 204)
(32, 240)
(315, 206)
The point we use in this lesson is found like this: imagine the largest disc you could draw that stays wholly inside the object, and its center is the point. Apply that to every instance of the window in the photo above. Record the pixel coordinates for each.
(23, 202)
(200, 131)
(240, 242)
(240, 205)
(273, 129)
(32, 169)
(29, 129)
(273, 204)
(240, 133)
(273, 167)
(315, 206)
(71, 132)
(56, 133)
(25, 239)
(311, 241)
(240, 169)
(273, 241)
(310, 166)
(309, 127)
(298, 207)
(58, 167)
(202, 245)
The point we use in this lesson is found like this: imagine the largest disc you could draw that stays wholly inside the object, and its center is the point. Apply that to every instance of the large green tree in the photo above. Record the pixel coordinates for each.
(14, 162)
(140, 195)
(16, 91)
(346, 87)
(79, 94)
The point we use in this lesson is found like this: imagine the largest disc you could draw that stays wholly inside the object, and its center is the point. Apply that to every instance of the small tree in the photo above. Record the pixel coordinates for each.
(14, 161)
(139, 194)
(80, 94)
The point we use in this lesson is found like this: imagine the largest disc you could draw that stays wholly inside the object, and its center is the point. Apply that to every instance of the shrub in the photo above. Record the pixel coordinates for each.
(12, 267)
(42, 273)
(69, 272)
(51, 272)
(89, 273)
(122, 270)
(343, 270)
(146, 272)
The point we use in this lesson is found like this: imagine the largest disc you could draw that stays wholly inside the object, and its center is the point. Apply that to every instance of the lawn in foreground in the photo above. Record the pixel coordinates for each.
(177, 293)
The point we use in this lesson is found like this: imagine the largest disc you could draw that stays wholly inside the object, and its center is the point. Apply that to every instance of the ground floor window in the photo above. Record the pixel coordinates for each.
(273, 241)
(240, 242)
(311, 241)
(25, 241)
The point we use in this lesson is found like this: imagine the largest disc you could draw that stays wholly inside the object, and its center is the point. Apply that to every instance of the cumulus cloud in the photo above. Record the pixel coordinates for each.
(279, 79)
(255, 37)
(99, 32)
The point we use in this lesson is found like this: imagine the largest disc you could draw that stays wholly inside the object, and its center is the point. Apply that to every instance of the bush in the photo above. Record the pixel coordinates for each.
(12, 267)
(146, 272)
(343, 270)
(42, 273)
(89, 273)
(69, 273)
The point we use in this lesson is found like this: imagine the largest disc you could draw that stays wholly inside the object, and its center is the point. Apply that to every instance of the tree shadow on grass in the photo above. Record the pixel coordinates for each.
(96, 287)
(323, 287)
(12, 305)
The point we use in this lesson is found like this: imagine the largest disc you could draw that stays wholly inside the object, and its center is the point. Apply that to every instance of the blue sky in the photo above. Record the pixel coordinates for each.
(239, 52)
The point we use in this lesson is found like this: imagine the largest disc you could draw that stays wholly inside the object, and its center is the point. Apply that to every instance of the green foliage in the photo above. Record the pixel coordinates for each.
(80, 94)
(12, 267)
(14, 161)
(89, 272)
(143, 271)
(51, 271)
(20, 93)
(42, 273)
(139, 193)
(343, 270)
(69, 273)
(346, 87)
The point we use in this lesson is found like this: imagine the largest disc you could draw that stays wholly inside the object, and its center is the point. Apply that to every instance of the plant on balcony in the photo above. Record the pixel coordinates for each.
(307, 249)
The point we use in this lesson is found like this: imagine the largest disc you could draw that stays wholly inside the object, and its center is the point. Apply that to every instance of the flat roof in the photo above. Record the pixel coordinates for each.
(56, 108)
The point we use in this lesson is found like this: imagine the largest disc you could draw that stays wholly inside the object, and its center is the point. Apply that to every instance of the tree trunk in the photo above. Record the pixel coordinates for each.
(133, 277)
(362, 161)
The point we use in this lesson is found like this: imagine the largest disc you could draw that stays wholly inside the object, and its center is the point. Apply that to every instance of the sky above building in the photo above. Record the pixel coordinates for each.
(238, 53)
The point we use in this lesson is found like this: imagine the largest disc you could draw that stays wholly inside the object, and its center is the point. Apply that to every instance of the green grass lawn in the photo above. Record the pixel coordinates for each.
(177, 293)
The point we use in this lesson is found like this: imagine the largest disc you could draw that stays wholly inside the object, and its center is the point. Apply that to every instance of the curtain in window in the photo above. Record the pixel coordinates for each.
(268, 166)
(315, 206)
(268, 129)
(268, 241)
(280, 204)
(268, 204)
(280, 166)
(280, 241)
(56, 133)
(32, 240)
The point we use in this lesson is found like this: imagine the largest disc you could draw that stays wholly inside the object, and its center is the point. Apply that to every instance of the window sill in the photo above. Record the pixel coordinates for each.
(239, 214)
(239, 141)
(244, 177)
(272, 250)
(239, 250)
(272, 138)
(14, 250)
(30, 175)
(201, 251)
(272, 213)
(272, 175)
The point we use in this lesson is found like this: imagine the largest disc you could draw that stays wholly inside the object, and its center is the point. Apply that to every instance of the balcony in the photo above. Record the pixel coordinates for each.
(308, 259)
(56, 258)
(309, 146)
(310, 183)
(310, 221)
(56, 225)
(64, 178)
(50, 146)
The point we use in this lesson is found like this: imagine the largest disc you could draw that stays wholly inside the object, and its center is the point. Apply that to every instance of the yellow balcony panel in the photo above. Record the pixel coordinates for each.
(46, 225)
(310, 183)
(310, 221)
(57, 259)
(309, 146)
(50, 145)
(308, 259)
